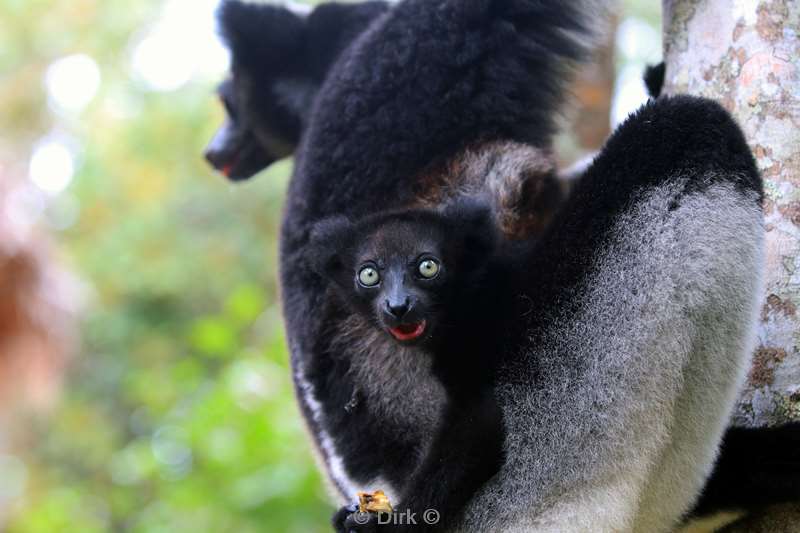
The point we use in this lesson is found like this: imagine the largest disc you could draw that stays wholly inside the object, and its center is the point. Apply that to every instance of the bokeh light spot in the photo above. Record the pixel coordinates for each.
(52, 166)
(72, 82)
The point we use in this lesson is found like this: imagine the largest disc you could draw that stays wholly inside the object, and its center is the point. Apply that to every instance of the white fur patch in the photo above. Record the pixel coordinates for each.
(332, 460)
(298, 8)
(711, 524)
(345, 488)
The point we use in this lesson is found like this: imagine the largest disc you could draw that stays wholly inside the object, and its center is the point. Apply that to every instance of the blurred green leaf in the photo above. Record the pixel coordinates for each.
(178, 413)
(213, 337)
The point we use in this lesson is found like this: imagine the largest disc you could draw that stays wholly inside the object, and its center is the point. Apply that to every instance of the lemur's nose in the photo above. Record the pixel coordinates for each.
(397, 309)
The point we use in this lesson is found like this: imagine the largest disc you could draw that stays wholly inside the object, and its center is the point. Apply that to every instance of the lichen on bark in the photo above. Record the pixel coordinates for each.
(746, 55)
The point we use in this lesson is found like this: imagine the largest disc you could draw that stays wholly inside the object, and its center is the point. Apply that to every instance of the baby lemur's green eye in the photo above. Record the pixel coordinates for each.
(428, 268)
(368, 276)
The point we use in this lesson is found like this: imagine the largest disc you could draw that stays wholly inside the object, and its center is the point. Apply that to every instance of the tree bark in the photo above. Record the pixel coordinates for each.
(746, 55)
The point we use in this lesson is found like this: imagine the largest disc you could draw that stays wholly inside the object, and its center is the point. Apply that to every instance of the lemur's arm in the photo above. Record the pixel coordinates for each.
(466, 452)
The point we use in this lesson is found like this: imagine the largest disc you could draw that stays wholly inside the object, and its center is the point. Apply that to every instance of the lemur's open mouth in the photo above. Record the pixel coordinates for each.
(408, 332)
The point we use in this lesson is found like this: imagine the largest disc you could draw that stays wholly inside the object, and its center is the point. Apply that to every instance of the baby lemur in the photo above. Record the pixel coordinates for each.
(426, 278)
(442, 282)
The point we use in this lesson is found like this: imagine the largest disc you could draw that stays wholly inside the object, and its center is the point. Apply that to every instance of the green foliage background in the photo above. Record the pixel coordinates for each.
(178, 413)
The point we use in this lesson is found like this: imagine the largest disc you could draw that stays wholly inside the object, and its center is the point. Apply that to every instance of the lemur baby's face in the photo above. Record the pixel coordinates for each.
(400, 278)
(402, 271)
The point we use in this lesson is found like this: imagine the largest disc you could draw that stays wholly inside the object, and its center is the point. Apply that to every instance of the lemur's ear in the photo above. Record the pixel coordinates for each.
(472, 214)
(279, 59)
(330, 243)
(473, 219)
(654, 79)
(261, 35)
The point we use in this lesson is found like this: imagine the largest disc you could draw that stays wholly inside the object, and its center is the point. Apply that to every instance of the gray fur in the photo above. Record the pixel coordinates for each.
(509, 176)
(634, 391)
(622, 429)
(396, 381)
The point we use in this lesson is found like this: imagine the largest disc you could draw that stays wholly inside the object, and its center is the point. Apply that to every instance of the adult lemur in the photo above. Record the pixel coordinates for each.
(632, 349)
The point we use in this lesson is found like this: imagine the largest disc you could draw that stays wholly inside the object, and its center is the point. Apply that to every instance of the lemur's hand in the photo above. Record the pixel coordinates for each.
(362, 522)
(349, 519)
(340, 516)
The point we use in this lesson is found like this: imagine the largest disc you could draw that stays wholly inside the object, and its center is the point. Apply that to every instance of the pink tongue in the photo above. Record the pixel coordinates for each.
(408, 332)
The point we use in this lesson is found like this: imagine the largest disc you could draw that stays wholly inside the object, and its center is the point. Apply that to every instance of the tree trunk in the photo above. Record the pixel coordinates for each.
(746, 55)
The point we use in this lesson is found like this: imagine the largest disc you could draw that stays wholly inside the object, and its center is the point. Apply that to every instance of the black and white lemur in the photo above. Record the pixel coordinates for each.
(281, 60)
(612, 403)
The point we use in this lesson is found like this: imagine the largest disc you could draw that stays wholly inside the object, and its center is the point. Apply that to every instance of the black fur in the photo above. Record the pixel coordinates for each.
(543, 276)
(654, 79)
(280, 60)
(413, 88)
(457, 245)
(756, 467)
(416, 87)
(421, 82)
(235, 151)
(679, 135)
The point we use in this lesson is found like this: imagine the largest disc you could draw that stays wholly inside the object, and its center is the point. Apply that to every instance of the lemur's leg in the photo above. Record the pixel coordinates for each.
(646, 291)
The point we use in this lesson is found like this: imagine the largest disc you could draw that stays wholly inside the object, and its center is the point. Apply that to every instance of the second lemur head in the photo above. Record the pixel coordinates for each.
(409, 273)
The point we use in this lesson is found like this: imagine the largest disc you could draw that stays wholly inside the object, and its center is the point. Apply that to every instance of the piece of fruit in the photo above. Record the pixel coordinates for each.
(375, 502)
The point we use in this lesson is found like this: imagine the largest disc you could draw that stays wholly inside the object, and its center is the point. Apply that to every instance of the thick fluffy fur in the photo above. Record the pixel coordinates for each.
(425, 81)
(654, 79)
(757, 467)
(517, 180)
(621, 427)
(422, 81)
(436, 84)
(364, 151)
(611, 420)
